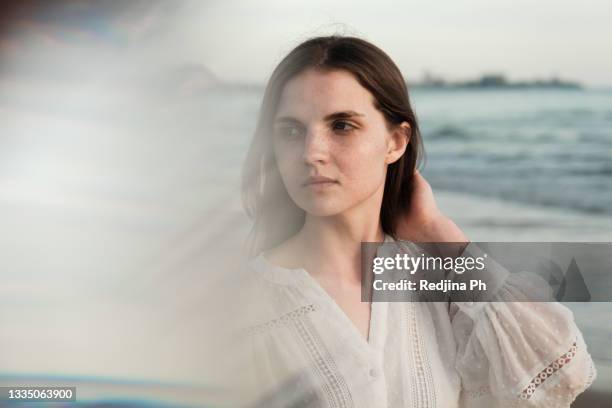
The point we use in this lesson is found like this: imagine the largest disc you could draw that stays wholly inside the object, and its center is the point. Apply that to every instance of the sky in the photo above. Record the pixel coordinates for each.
(456, 39)
(242, 41)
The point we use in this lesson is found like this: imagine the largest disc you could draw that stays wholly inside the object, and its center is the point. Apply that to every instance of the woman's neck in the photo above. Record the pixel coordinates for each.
(331, 246)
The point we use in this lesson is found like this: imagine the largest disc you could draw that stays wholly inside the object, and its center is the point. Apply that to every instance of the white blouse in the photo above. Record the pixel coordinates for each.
(306, 352)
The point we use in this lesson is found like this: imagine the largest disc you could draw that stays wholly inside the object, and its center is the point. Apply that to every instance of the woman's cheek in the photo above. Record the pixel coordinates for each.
(364, 176)
(366, 164)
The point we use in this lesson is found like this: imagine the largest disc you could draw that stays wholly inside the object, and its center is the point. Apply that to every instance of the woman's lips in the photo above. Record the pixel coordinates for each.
(319, 181)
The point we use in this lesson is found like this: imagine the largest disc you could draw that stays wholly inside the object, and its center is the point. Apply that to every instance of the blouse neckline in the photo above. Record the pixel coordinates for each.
(301, 277)
(286, 276)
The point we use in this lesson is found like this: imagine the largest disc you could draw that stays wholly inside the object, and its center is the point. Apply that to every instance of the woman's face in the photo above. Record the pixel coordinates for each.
(332, 146)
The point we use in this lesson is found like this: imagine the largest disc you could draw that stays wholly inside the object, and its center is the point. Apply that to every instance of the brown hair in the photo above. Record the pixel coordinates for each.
(276, 217)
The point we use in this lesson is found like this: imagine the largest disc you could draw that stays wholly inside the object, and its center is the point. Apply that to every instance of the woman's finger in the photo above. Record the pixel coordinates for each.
(423, 200)
(420, 184)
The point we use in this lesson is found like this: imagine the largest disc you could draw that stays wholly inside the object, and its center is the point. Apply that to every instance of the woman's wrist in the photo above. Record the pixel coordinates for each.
(435, 228)
(443, 229)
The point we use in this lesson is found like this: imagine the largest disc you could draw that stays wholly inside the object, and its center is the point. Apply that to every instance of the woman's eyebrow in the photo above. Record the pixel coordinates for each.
(342, 115)
(332, 116)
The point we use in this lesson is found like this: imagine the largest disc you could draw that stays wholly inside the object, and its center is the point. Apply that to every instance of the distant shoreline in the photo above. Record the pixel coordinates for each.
(496, 81)
(416, 85)
(493, 87)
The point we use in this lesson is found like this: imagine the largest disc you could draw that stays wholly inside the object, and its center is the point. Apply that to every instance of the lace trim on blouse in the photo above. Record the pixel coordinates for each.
(592, 375)
(548, 372)
(478, 392)
(280, 321)
(333, 387)
(422, 389)
(539, 379)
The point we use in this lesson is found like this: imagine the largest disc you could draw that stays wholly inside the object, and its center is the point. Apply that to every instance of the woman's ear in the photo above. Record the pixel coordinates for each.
(398, 142)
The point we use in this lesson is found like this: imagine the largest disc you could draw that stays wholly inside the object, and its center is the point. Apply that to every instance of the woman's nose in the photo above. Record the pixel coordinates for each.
(316, 146)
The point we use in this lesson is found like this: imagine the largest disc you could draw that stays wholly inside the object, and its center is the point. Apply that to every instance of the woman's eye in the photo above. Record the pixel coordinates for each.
(343, 126)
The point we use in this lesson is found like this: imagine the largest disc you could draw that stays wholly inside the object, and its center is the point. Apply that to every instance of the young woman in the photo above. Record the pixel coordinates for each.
(333, 163)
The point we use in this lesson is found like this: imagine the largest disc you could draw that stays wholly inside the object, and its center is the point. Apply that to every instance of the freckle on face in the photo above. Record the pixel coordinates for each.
(356, 160)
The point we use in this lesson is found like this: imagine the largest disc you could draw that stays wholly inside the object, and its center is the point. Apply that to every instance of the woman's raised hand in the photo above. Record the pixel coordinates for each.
(424, 222)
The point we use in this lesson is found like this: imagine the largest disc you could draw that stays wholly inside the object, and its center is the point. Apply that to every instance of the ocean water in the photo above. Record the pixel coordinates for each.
(541, 147)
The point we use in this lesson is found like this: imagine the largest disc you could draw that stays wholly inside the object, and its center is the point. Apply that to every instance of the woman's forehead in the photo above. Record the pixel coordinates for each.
(319, 93)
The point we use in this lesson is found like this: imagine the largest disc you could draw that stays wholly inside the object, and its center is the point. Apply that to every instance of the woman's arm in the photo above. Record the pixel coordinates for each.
(518, 353)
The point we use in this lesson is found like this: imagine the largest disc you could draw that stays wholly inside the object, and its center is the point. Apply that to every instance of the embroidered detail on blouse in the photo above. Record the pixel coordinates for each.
(334, 385)
(280, 321)
(478, 392)
(548, 371)
(592, 375)
(424, 395)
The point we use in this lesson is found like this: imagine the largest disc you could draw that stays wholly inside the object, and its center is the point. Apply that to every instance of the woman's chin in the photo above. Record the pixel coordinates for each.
(322, 209)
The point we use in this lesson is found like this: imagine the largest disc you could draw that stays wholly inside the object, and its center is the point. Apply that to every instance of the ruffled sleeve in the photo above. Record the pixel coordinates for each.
(513, 353)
